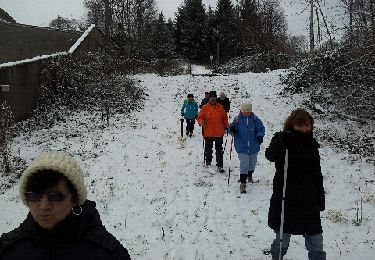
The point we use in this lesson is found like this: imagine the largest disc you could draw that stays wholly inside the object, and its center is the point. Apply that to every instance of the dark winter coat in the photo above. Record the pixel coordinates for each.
(304, 196)
(225, 103)
(204, 102)
(77, 237)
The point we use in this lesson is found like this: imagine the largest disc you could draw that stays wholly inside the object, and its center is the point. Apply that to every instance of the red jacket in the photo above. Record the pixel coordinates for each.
(215, 120)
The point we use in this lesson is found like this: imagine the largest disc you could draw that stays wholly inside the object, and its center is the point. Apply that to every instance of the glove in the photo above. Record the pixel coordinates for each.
(182, 114)
(259, 139)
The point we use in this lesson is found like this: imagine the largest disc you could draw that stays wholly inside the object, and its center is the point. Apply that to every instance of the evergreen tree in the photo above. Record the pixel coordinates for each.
(274, 26)
(251, 28)
(226, 31)
(209, 36)
(190, 22)
(163, 41)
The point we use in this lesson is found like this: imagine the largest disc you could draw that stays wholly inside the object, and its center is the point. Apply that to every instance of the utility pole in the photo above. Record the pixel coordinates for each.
(312, 47)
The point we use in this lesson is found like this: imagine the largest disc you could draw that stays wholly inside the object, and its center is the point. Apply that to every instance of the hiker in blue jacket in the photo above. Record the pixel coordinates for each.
(248, 132)
(189, 110)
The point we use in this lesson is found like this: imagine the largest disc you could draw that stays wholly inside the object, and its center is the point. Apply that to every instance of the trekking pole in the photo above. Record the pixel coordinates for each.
(204, 153)
(226, 140)
(230, 157)
(182, 126)
(282, 202)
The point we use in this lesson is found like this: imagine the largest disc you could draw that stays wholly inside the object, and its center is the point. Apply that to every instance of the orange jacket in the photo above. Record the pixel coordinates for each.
(215, 120)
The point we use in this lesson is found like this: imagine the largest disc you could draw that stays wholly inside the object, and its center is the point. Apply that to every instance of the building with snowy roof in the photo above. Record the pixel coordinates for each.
(23, 47)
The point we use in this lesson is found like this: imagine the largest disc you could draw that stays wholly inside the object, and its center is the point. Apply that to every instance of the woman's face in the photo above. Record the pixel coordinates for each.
(304, 128)
(47, 213)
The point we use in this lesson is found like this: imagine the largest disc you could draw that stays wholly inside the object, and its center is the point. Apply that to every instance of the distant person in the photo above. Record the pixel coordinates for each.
(214, 122)
(189, 110)
(205, 100)
(304, 195)
(62, 223)
(248, 132)
(224, 101)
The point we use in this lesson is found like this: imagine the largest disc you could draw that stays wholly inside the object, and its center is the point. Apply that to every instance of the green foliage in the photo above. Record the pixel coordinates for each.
(93, 82)
(260, 62)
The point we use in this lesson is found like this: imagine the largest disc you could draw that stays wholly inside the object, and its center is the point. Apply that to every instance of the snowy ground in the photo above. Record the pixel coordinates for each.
(155, 196)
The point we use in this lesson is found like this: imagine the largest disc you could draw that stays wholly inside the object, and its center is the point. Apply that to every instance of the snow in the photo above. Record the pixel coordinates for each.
(155, 196)
(81, 39)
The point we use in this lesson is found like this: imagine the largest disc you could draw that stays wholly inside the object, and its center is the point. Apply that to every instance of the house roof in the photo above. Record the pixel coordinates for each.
(24, 43)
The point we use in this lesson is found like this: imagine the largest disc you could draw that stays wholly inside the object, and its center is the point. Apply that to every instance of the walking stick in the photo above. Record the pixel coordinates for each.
(226, 140)
(282, 202)
(204, 152)
(230, 157)
(182, 126)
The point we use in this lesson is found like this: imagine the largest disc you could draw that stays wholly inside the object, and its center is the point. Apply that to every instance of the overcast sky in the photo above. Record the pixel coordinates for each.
(41, 12)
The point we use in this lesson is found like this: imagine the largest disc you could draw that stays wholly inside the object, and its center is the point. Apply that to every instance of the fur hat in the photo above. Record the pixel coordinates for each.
(59, 162)
(212, 94)
(246, 107)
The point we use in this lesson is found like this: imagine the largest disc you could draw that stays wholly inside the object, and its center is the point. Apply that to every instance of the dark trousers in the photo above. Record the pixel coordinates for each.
(190, 125)
(209, 143)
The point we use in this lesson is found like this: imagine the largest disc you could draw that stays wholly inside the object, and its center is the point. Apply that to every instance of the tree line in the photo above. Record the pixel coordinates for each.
(196, 32)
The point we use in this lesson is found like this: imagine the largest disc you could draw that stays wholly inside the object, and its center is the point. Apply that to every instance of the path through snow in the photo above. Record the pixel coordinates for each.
(156, 197)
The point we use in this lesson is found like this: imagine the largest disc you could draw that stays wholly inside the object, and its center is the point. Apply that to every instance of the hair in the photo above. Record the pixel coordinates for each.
(298, 117)
(46, 179)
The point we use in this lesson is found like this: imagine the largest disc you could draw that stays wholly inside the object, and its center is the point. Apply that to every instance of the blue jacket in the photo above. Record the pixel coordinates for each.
(246, 130)
(190, 109)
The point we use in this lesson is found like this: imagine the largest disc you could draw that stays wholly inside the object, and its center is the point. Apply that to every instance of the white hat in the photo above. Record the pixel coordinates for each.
(59, 162)
(246, 107)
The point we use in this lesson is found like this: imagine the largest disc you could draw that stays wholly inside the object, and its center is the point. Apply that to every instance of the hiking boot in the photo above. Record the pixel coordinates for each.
(208, 163)
(250, 177)
(243, 188)
(220, 169)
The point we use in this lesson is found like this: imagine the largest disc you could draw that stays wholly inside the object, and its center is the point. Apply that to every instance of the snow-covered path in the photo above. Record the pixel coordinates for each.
(156, 197)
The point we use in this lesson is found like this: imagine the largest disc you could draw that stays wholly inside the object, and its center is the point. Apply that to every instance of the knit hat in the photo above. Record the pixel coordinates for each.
(212, 94)
(59, 162)
(190, 95)
(246, 107)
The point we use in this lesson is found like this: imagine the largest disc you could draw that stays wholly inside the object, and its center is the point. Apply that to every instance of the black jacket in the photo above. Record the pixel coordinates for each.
(225, 103)
(204, 102)
(304, 196)
(77, 237)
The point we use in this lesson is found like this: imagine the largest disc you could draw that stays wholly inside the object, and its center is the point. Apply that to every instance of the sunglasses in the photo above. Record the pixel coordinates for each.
(51, 196)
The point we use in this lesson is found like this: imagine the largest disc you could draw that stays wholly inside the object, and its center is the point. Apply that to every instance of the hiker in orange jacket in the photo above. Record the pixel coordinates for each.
(214, 121)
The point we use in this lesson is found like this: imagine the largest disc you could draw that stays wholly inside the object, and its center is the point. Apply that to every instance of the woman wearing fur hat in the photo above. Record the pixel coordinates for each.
(248, 132)
(62, 223)
(304, 191)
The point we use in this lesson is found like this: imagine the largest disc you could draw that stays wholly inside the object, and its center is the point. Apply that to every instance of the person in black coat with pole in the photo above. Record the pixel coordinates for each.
(304, 196)
(62, 223)
(224, 101)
